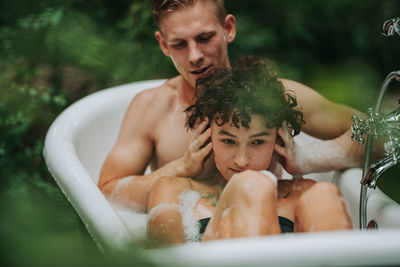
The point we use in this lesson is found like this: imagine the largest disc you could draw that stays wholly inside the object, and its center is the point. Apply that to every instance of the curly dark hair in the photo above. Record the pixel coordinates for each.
(250, 87)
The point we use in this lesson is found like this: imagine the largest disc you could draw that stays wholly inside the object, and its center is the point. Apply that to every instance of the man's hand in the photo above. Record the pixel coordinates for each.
(198, 150)
(290, 154)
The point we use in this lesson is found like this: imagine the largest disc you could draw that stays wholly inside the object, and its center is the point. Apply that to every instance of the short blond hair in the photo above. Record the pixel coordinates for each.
(161, 8)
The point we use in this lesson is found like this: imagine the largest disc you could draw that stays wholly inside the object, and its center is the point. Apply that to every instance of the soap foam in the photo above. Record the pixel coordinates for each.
(187, 202)
(191, 227)
(119, 197)
(161, 208)
(226, 211)
(329, 155)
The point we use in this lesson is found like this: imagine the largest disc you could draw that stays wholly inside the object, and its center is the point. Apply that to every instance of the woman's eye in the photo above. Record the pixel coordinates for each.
(228, 141)
(258, 142)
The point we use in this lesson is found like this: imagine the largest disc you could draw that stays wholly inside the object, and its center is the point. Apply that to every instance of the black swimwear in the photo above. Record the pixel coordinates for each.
(287, 226)
(203, 224)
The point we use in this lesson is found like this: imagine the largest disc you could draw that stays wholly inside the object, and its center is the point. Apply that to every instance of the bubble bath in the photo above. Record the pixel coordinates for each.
(187, 202)
(119, 197)
(191, 226)
(161, 208)
(318, 152)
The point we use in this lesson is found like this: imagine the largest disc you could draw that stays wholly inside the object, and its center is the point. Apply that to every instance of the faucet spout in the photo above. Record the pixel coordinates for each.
(377, 169)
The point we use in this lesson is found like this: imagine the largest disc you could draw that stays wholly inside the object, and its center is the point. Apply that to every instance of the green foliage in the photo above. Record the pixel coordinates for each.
(54, 52)
(309, 38)
(51, 54)
(25, 113)
(357, 90)
(51, 235)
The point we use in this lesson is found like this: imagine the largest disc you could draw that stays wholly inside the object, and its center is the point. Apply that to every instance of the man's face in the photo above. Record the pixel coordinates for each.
(240, 149)
(195, 40)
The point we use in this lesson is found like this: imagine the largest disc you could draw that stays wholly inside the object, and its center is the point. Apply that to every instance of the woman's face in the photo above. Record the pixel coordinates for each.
(240, 149)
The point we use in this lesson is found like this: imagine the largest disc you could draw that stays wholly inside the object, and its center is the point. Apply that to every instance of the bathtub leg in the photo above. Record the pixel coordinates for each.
(321, 208)
(247, 207)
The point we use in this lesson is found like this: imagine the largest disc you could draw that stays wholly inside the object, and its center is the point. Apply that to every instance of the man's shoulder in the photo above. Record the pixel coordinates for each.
(154, 100)
(164, 91)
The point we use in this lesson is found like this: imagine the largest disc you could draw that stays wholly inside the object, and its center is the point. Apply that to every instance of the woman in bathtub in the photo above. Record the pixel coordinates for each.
(245, 115)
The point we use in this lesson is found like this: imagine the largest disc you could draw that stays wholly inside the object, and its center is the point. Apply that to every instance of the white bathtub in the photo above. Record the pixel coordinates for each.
(81, 137)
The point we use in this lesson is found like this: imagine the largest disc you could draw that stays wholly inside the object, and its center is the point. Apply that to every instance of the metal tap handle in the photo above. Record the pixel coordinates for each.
(358, 129)
(392, 147)
(391, 27)
(369, 126)
(377, 125)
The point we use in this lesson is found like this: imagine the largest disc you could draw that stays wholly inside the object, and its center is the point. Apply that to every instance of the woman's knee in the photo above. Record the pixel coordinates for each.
(320, 191)
(167, 181)
(252, 184)
(165, 190)
(164, 211)
(322, 207)
(247, 207)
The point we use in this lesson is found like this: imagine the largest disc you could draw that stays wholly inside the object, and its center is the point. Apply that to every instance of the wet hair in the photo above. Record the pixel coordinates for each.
(161, 8)
(250, 87)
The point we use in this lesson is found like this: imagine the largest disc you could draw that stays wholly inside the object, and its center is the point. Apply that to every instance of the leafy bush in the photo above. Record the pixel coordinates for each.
(54, 52)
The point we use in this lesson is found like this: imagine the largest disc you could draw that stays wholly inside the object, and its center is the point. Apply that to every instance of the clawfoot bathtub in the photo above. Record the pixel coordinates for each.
(81, 137)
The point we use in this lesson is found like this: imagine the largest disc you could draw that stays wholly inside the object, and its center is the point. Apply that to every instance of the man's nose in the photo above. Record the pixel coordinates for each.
(195, 54)
(241, 158)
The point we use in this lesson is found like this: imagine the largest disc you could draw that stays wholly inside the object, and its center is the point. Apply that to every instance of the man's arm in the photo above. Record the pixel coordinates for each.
(336, 154)
(132, 151)
(324, 120)
(134, 148)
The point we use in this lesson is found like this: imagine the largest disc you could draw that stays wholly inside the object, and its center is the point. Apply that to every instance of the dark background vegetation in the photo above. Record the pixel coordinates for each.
(54, 52)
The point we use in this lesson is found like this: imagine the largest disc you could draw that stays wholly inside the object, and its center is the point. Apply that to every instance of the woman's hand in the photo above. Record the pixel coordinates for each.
(198, 150)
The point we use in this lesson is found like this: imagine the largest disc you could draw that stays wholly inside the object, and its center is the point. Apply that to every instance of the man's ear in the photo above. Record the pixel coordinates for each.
(230, 28)
(161, 41)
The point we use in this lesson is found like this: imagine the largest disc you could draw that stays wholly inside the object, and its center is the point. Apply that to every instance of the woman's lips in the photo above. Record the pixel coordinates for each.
(235, 170)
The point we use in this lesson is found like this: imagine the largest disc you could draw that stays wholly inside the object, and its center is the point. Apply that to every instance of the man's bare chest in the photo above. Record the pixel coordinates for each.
(171, 137)
(171, 140)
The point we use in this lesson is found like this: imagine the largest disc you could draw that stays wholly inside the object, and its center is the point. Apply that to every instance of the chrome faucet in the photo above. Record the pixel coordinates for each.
(377, 169)
(377, 125)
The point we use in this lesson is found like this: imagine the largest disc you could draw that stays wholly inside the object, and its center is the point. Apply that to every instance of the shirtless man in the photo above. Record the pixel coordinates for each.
(195, 35)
